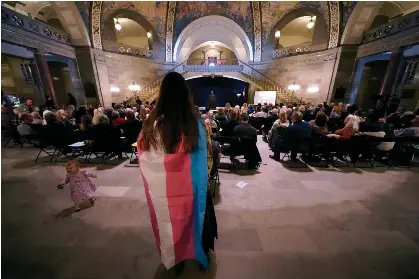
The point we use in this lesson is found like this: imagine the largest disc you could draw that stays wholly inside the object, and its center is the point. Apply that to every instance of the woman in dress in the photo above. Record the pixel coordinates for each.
(172, 152)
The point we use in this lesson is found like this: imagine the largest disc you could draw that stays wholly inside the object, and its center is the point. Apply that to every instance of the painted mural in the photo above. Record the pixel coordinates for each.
(154, 11)
(239, 12)
(84, 10)
(347, 9)
(272, 12)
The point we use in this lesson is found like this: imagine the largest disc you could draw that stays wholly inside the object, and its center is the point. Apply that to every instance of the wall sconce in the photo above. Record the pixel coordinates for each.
(294, 87)
(114, 89)
(118, 25)
(149, 35)
(277, 34)
(313, 88)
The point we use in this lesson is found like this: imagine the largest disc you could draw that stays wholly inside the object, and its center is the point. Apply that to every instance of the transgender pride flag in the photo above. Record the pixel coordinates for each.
(175, 187)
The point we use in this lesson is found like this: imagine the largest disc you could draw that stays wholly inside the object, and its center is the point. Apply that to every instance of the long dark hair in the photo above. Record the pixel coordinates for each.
(175, 113)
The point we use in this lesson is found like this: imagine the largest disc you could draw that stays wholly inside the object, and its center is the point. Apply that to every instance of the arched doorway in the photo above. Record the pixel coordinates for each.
(213, 28)
(225, 89)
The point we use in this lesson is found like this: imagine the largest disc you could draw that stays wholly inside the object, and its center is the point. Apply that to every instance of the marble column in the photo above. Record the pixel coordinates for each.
(46, 77)
(391, 72)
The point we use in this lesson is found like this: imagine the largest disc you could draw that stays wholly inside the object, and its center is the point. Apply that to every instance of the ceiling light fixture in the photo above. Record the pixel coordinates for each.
(134, 87)
(310, 24)
(293, 87)
(149, 35)
(277, 34)
(118, 26)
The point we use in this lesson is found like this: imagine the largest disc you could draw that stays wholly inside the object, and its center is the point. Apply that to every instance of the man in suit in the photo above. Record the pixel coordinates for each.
(296, 138)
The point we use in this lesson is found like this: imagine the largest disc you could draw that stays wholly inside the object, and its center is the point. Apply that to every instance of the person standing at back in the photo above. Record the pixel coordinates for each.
(172, 156)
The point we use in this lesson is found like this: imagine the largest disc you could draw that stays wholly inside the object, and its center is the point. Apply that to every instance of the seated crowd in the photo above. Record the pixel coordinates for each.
(117, 126)
(284, 126)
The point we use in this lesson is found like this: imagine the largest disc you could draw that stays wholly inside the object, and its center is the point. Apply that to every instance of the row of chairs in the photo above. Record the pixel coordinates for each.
(322, 148)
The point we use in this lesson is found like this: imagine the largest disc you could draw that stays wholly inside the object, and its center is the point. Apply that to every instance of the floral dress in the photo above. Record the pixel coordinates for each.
(81, 187)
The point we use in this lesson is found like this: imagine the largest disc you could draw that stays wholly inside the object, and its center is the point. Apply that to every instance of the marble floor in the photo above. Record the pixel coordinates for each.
(285, 223)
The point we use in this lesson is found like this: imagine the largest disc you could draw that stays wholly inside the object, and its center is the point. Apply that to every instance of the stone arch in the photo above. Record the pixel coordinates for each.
(320, 32)
(213, 28)
(72, 22)
(109, 28)
(362, 18)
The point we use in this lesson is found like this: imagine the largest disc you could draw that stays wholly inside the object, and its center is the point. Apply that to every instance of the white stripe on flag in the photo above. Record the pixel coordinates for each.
(152, 167)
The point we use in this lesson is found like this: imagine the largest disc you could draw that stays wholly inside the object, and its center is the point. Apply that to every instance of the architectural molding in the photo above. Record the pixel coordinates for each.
(334, 15)
(171, 9)
(26, 39)
(20, 21)
(409, 37)
(257, 31)
(96, 21)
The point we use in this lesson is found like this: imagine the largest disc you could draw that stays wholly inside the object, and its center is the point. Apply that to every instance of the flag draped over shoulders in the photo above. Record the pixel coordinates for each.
(175, 187)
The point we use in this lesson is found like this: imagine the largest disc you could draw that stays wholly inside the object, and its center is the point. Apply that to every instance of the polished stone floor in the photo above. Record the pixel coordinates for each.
(285, 223)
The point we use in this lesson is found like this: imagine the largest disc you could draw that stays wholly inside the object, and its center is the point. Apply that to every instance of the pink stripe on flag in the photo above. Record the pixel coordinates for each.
(153, 217)
(180, 201)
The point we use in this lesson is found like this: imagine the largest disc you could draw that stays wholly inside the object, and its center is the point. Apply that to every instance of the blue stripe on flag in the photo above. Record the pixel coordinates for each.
(199, 173)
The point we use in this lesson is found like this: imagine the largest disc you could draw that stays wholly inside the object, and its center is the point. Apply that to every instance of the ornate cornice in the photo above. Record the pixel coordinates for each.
(171, 9)
(96, 18)
(257, 29)
(409, 37)
(26, 39)
(334, 14)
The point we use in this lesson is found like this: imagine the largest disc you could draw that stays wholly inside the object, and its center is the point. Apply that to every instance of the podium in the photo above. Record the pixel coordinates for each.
(212, 101)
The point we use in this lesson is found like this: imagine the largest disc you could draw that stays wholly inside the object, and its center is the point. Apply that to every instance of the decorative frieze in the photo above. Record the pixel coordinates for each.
(257, 29)
(334, 12)
(406, 38)
(169, 30)
(96, 18)
(392, 27)
(23, 22)
(27, 39)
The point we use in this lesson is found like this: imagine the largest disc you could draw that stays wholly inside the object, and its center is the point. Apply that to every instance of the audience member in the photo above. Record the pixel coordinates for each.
(229, 125)
(296, 138)
(37, 119)
(245, 129)
(24, 127)
(220, 116)
(85, 123)
(131, 128)
(350, 129)
(320, 125)
(119, 119)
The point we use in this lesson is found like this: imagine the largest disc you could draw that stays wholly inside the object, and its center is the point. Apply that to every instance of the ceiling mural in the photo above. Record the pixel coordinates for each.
(239, 12)
(272, 12)
(347, 9)
(154, 11)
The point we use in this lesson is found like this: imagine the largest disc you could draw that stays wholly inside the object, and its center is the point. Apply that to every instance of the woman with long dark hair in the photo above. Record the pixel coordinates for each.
(172, 152)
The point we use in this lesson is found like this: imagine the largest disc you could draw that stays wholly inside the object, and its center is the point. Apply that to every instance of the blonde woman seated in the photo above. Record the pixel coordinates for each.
(351, 128)
(244, 108)
(282, 121)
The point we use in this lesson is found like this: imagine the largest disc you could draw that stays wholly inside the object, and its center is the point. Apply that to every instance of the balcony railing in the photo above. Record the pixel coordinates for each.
(26, 23)
(224, 65)
(394, 26)
(295, 50)
(125, 49)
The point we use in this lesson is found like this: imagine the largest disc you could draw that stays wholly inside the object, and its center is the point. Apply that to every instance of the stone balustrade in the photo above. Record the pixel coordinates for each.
(392, 27)
(295, 50)
(215, 68)
(26, 23)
